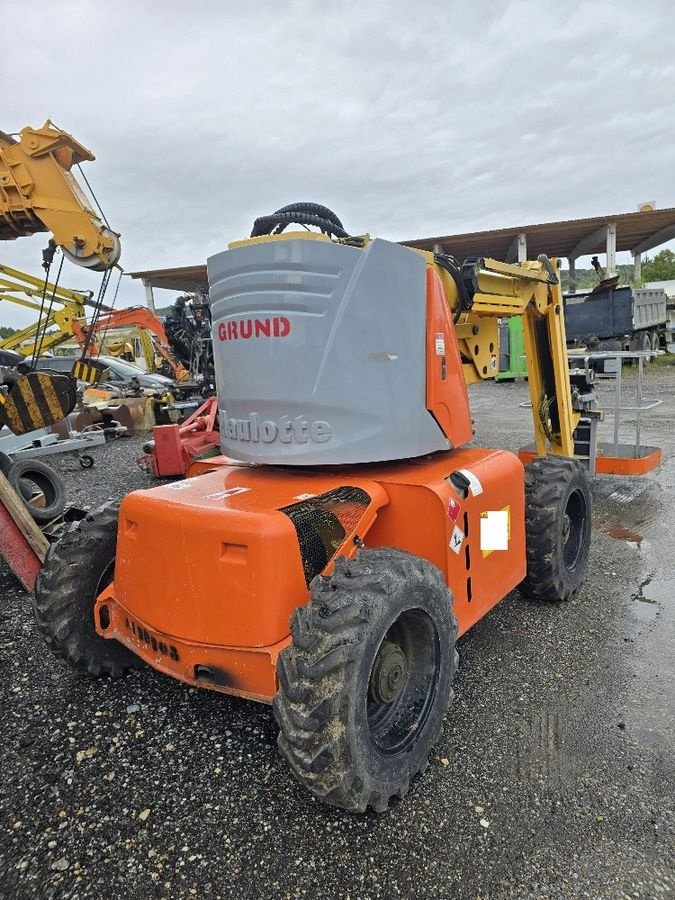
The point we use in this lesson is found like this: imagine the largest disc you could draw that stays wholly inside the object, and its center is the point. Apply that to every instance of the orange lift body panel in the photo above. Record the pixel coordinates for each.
(208, 571)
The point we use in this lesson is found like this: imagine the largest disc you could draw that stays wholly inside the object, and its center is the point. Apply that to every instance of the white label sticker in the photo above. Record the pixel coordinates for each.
(230, 492)
(179, 485)
(304, 496)
(440, 343)
(494, 530)
(475, 486)
(456, 539)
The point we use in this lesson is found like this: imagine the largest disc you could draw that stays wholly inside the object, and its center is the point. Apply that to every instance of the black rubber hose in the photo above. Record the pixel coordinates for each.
(296, 214)
(314, 208)
(449, 264)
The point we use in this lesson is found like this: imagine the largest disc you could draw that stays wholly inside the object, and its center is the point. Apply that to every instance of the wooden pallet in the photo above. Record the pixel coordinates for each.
(22, 545)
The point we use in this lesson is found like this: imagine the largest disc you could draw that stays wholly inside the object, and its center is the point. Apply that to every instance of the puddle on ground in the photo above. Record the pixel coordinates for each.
(643, 591)
(654, 590)
(620, 533)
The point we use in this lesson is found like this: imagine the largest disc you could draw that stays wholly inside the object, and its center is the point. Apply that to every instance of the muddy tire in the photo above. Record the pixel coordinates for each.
(77, 568)
(558, 509)
(367, 679)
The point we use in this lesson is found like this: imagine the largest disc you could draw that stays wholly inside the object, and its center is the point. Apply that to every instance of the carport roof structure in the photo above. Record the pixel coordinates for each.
(637, 232)
(571, 238)
(183, 278)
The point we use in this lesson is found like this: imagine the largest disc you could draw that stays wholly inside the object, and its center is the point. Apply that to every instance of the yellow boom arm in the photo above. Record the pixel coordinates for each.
(38, 193)
(531, 290)
(57, 327)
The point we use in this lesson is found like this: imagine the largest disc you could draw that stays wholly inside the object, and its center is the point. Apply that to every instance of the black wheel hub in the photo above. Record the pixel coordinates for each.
(402, 682)
(566, 528)
(573, 527)
(389, 673)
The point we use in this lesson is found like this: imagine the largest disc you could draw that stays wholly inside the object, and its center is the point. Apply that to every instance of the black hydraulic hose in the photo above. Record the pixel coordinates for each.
(449, 264)
(299, 214)
(313, 208)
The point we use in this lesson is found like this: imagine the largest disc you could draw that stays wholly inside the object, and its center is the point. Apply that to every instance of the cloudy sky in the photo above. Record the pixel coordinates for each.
(408, 119)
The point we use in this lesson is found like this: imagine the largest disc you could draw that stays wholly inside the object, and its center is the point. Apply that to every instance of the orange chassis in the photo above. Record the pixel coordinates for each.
(217, 564)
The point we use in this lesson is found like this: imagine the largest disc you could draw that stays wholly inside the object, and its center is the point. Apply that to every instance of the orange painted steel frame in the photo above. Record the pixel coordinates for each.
(208, 570)
(606, 464)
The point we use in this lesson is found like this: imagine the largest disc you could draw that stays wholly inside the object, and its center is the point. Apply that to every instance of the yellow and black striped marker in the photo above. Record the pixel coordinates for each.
(90, 371)
(38, 400)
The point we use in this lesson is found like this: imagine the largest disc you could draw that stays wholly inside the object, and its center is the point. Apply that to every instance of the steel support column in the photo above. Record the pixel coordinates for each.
(572, 287)
(610, 268)
(517, 252)
(149, 296)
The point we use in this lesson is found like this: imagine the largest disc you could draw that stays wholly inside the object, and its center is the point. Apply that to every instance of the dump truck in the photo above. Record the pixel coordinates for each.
(330, 571)
(669, 288)
(617, 318)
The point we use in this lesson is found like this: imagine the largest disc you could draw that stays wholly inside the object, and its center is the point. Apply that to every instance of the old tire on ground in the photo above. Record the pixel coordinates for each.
(77, 568)
(6, 463)
(367, 679)
(49, 483)
(558, 509)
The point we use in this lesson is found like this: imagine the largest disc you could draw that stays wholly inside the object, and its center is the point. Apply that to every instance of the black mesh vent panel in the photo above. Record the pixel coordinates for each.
(322, 522)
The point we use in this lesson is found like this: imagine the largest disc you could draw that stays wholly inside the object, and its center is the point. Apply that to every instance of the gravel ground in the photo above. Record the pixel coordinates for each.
(554, 776)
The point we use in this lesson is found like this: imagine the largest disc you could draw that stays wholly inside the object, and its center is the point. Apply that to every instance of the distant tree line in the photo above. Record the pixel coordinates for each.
(661, 268)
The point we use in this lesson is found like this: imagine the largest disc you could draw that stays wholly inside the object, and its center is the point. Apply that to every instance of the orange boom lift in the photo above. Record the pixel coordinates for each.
(330, 571)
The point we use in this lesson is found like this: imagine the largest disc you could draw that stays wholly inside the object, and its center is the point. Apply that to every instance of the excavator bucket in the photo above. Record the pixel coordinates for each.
(38, 400)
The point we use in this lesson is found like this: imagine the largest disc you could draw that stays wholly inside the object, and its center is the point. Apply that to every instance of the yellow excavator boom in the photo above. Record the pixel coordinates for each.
(38, 193)
(55, 327)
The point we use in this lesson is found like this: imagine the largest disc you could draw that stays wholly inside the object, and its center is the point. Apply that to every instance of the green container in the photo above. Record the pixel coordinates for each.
(511, 350)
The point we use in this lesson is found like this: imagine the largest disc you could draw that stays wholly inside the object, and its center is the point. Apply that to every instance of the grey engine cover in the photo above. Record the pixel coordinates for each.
(320, 353)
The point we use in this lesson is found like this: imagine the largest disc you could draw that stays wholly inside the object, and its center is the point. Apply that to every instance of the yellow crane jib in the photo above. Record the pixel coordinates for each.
(38, 193)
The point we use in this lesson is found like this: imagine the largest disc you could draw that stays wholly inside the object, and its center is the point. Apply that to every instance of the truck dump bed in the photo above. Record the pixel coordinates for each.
(614, 312)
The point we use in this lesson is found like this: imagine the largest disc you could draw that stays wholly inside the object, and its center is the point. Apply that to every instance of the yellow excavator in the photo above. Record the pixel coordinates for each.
(39, 193)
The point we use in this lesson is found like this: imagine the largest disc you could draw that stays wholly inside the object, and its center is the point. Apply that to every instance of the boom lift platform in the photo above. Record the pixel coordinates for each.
(357, 510)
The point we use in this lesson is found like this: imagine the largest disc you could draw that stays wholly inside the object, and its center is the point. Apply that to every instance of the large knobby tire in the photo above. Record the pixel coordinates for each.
(558, 510)
(78, 567)
(50, 488)
(367, 679)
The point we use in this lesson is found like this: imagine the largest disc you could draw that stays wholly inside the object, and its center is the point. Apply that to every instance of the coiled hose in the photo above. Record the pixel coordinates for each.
(299, 214)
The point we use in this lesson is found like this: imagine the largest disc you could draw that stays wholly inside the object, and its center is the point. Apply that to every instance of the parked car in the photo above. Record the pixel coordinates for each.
(121, 372)
(10, 358)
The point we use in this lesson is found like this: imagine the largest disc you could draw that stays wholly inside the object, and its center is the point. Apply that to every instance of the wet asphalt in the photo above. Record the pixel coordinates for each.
(554, 776)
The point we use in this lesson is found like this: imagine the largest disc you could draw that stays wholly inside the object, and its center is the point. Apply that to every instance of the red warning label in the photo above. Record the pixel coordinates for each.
(453, 509)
